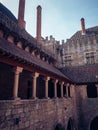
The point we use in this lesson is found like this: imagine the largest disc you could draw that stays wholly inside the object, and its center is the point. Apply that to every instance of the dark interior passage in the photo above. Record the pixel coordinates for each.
(94, 124)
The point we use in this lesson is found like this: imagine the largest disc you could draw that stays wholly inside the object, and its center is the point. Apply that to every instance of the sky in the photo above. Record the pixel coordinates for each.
(60, 18)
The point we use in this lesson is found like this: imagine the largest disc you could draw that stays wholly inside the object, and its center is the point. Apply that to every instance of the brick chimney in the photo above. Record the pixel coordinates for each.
(83, 26)
(38, 33)
(21, 12)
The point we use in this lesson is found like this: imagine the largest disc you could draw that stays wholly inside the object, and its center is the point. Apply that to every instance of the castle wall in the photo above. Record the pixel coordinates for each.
(78, 49)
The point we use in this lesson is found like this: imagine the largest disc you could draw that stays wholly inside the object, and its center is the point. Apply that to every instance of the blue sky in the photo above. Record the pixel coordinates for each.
(60, 18)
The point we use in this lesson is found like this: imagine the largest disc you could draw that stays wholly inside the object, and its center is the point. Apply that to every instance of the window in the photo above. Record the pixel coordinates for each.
(90, 58)
(91, 91)
(68, 60)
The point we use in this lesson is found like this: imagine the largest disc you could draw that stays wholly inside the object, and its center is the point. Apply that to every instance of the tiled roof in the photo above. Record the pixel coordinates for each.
(82, 74)
(89, 32)
(13, 50)
(7, 12)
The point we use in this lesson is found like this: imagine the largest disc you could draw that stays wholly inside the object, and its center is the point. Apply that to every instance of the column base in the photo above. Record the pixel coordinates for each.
(55, 97)
(46, 97)
(35, 98)
(16, 98)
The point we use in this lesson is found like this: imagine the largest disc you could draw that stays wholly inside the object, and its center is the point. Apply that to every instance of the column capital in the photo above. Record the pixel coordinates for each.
(72, 85)
(61, 82)
(67, 84)
(35, 74)
(46, 78)
(17, 69)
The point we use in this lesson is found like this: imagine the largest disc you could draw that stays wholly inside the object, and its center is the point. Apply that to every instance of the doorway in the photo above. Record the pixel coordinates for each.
(94, 124)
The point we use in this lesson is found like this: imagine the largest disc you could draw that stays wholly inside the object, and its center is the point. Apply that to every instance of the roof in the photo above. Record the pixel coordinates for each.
(7, 12)
(82, 74)
(89, 32)
(13, 50)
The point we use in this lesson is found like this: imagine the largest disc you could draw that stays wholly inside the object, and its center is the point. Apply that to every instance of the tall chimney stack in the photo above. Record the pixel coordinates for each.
(21, 12)
(83, 26)
(38, 33)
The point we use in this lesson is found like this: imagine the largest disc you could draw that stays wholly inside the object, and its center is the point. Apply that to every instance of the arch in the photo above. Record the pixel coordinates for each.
(94, 124)
(59, 127)
(70, 124)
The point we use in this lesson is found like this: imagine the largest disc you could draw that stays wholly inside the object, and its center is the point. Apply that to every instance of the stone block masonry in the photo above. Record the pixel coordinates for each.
(40, 114)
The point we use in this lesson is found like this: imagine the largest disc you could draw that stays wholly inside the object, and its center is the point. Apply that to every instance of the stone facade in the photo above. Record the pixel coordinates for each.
(81, 49)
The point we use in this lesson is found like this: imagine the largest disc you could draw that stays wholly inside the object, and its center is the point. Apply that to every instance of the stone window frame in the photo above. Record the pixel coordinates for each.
(68, 60)
(90, 57)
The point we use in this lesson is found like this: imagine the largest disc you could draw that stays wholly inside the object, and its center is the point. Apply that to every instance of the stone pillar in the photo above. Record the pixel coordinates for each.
(62, 83)
(55, 88)
(38, 33)
(21, 11)
(17, 71)
(46, 86)
(35, 76)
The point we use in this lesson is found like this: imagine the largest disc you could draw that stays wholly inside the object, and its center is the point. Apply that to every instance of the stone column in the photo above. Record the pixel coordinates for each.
(62, 83)
(46, 86)
(17, 71)
(55, 88)
(35, 76)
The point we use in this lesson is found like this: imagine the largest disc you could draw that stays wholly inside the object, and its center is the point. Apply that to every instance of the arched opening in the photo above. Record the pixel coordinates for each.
(29, 89)
(51, 89)
(64, 91)
(58, 90)
(91, 91)
(94, 124)
(25, 85)
(70, 124)
(40, 90)
(69, 91)
(59, 127)
(6, 81)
